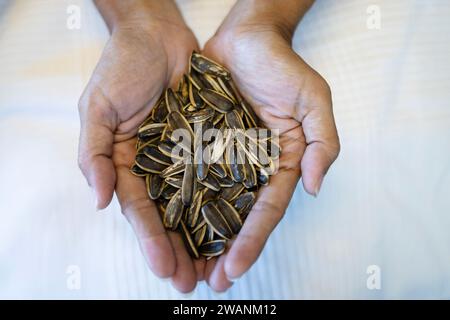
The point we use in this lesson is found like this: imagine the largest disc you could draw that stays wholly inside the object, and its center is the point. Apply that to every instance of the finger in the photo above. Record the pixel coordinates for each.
(217, 279)
(199, 265)
(209, 267)
(321, 137)
(185, 278)
(268, 210)
(95, 148)
(143, 216)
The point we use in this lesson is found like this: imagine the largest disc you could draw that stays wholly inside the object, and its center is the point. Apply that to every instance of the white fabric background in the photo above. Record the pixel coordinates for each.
(385, 201)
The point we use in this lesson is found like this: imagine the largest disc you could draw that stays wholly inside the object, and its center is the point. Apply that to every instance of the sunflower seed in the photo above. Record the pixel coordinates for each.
(172, 102)
(233, 120)
(244, 203)
(189, 242)
(177, 121)
(174, 169)
(147, 164)
(231, 193)
(211, 182)
(150, 130)
(155, 154)
(187, 186)
(174, 211)
(200, 235)
(217, 101)
(160, 112)
(168, 191)
(216, 221)
(154, 185)
(204, 65)
(230, 214)
(194, 209)
(176, 181)
(212, 248)
(219, 170)
(135, 170)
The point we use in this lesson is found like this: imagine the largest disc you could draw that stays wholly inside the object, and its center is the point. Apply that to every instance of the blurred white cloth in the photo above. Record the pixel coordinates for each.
(385, 202)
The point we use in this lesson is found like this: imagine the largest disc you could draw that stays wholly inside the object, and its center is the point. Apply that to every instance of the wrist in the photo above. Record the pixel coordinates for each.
(143, 14)
(267, 15)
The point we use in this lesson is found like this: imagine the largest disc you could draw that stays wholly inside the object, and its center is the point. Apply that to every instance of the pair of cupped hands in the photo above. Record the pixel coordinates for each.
(149, 51)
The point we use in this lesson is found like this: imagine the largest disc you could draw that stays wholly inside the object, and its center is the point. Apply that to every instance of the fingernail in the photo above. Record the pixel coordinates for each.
(187, 295)
(231, 279)
(95, 199)
(317, 190)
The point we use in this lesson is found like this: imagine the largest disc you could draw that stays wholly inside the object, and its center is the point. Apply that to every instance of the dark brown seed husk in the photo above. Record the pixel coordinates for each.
(174, 169)
(219, 170)
(227, 88)
(188, 184)
(211, 182)
(168, 191)
(166, 147)
(135, 170)
(200, 116)
(216, 221)
(230, 214)
(244, 203)
(147, 164)
(231, 193)
(177, 121)
(155, 154)
(160, 112)
(262, 176)
(235, 159)
(154, 184)
(200, 223)
(226, 182)
(201, 166)
(174, 211)
(176, 181)
(209, 194)
(194, 209)
(217, 101)
(212, 248)
(151, 130)
(183, 89)
(252, 117)
(194, 98)
(213, 83)
(233, 120)
(188, 241)
(250, 180)
(172, 102)
(200, 235)
(204, 65)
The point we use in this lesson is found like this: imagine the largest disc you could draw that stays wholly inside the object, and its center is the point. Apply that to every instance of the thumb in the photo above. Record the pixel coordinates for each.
(316, 116)
(98, 122)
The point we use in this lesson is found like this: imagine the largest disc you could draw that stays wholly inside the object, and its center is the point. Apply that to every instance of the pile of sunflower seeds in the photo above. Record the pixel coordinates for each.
(204, 155)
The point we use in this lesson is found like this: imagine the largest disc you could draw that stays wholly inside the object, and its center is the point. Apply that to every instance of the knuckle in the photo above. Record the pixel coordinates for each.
(130, 207)
(83, 162)
(275, 211)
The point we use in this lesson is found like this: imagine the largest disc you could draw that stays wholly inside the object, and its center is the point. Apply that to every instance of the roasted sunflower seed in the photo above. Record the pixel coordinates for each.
(217, 101)
(204, 65)
(174, 211)
(216, 221)
(212, 248)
